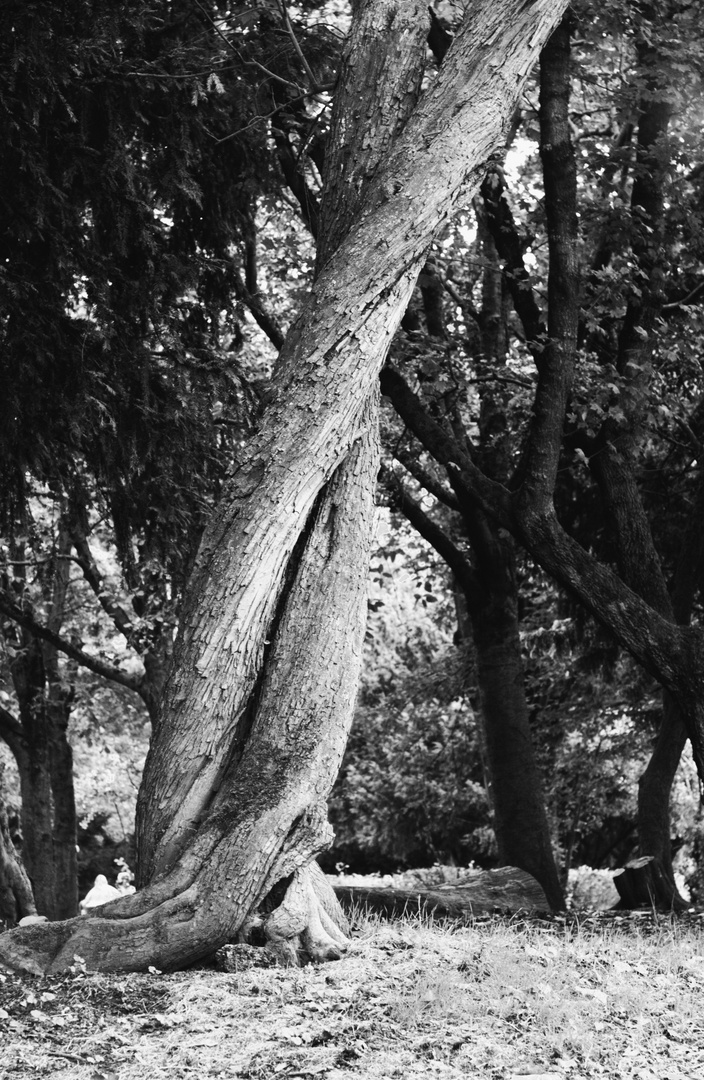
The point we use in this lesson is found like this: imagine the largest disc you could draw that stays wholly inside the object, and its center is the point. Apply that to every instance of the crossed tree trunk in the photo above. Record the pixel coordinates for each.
(256, 713)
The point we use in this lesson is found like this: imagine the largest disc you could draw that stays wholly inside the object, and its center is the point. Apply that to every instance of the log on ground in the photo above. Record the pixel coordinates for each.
(507, 889)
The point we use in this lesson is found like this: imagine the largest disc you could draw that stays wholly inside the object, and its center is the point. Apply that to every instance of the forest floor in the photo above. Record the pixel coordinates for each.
(602, 996)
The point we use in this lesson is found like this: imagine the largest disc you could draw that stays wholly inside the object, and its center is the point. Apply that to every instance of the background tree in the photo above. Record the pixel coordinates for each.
(616, 334)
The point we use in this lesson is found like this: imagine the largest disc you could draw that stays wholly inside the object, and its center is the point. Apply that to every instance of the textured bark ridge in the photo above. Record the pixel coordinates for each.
(506, 889)
(256, 713)
(16, 899)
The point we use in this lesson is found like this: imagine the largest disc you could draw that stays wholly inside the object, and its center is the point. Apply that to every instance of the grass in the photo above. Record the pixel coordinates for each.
(413, 999)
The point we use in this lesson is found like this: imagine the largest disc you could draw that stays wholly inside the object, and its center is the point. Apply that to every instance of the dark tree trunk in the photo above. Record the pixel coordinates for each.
(43, 754)
(520, 820)
(654, 793)
(672, 654)
(489, 598)
(639, 884)
(45, 766)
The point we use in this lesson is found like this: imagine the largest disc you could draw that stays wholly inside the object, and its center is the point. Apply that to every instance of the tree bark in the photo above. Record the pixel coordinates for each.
(16, 899)
(43, 754)
(266, 661)
(520, 820)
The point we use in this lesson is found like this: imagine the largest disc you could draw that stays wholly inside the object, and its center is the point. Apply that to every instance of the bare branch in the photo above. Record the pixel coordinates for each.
(425, 478)
(99, 667)
(431, 531)
(263, 318)
(299, 52)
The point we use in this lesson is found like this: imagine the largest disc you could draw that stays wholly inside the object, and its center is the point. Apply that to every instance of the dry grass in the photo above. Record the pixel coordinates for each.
(497, 999)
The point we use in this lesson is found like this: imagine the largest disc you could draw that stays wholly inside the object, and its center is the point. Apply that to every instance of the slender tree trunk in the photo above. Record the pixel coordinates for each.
(520, 820)
(35, 783)
(44, 762)
(266, 663)
(654, 794)
(514, 784)
(43, 754)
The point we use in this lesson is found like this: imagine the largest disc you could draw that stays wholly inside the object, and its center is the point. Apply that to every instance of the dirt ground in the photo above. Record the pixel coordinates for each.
(497, 999)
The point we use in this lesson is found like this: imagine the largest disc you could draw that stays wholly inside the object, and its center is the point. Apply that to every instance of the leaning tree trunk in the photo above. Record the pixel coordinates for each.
(255, 712)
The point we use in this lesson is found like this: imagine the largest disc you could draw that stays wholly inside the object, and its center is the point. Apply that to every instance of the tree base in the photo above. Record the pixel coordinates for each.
(308, 922)
(642, 884)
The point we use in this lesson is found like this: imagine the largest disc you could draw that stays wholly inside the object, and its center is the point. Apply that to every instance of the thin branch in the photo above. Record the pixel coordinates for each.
(238, 54)
(430, 531)
(258, 118)
(306, 199)
(264, 319)
(299, 52)
(697, 291)
(432, 485)
(467, 479)
(514, 380)
(92, 663)
(84, 559)
(507, 241)
(466, 305)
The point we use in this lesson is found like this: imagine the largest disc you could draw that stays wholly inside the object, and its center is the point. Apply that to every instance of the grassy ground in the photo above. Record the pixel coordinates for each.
(498, 999)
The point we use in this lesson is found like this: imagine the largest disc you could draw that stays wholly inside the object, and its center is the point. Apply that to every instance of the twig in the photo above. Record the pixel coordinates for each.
(238, 54)
(306, 66)
(679, 303)
(262, 116)
(494, 377)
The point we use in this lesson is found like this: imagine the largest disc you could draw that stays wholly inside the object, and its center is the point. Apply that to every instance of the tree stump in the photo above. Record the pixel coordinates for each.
(507, 889)
(641, 883)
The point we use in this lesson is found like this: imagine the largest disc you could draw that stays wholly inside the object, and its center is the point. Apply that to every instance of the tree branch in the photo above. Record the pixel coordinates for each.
(92, 663)
(306, 199)
(431, 484)
(84, 559)
(431, 531)
(315, 86)
(502, 227)
(468, 481)
(11, 731)
(263, 318)
(557, 363)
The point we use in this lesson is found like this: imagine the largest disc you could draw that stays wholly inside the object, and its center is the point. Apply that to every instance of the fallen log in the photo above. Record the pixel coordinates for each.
(507, 889)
